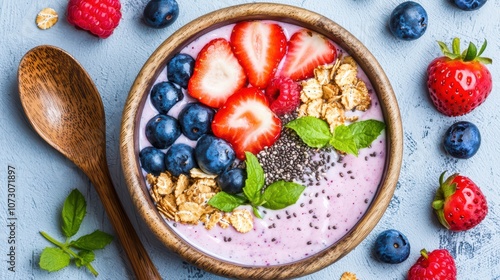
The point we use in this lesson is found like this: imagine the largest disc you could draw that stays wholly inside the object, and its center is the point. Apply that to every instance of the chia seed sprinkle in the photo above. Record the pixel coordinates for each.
(290, 159)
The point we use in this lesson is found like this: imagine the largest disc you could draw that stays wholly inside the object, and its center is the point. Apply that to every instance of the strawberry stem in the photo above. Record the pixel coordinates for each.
(470, 54)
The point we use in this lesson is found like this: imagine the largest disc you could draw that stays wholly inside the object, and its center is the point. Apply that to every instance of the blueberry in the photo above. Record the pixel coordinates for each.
(391, 246)
(469, 5)
(408, 21)
(180, 68)
(165, 95)
(213, 155)
(160, 13)
(152, 160)
(462, 140)
(195, 120)
(232, 181)
(180, 159)
(162, 131)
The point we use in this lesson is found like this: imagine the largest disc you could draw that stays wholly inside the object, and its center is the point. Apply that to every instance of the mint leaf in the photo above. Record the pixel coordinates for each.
(226, 202)
(73, 212)
(255, 179)
(358, 135)
(343, 140)
(281, 194)
(85, 257)
(365, 132)
(256, 212)
(53, 259)
(94, 241)
(314, 132)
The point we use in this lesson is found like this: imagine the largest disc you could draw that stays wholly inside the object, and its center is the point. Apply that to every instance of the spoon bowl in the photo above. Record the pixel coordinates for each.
(64, 107)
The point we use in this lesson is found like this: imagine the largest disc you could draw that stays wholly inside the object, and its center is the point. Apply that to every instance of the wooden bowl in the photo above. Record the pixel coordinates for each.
(148, 75)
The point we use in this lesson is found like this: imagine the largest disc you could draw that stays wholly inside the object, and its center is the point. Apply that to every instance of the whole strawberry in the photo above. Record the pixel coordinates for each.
(459, 204)
(436, 265)
(99, 17)
(459, 82)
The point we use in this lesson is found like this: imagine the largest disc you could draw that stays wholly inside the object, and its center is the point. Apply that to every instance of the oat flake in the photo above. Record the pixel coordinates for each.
(46, 18)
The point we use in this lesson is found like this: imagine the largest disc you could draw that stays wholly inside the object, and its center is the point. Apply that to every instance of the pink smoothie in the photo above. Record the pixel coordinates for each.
(327, 210)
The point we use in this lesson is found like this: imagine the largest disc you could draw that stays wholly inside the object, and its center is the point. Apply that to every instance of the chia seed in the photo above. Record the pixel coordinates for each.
(290, 159)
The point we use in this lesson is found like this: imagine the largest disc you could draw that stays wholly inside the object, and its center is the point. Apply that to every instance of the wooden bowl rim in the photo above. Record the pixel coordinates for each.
(173, 44)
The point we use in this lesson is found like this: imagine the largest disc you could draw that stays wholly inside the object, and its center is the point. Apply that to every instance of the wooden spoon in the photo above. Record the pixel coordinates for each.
(65, 108)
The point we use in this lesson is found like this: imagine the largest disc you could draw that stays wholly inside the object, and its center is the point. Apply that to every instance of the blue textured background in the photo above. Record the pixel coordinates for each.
(44, 178)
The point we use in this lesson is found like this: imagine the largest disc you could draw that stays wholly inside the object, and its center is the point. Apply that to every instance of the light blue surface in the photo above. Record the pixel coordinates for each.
(44, 178)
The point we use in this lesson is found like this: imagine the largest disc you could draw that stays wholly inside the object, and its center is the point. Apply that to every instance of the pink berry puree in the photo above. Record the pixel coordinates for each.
(327, 210)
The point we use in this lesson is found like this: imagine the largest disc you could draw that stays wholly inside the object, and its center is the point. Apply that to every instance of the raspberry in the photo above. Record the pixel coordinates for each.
(283, 95)
(436, 265)
(99, 17)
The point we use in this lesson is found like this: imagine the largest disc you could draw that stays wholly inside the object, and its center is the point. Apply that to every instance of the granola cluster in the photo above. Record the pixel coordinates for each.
(334, 90)
(185, 199)
(348, 276)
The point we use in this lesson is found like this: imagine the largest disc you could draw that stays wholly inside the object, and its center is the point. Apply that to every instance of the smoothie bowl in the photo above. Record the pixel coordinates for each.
(261, 141)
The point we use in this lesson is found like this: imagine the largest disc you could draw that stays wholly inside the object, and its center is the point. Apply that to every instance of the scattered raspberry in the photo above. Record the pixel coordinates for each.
(283, 95)
(46, 18)
(437, 265)
(99, 17)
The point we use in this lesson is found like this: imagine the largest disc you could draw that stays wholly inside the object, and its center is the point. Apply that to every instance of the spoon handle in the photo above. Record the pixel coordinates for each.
(139, 259)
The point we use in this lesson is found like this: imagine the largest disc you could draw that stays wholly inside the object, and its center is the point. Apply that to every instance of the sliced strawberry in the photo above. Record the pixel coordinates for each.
(259, 47)
(306, 51)
(246, 122)
(216, 75)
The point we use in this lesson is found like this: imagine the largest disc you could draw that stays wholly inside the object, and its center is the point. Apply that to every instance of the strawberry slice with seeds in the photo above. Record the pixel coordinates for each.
(306, 51)
(216, 75)
(246, 122)
(259, 47)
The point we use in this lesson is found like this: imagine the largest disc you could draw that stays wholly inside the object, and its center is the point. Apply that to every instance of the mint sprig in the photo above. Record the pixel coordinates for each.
(278, 195)
(350, 138)
(57, 258)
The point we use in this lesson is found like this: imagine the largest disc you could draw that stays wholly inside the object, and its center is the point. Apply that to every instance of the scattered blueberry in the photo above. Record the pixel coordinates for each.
(213, 155)
(180, 159)
(232, 181)
(408, 21)
(391, 246)
(152, 160)
(162, 131)
(160, 13)
(462, 140)
(469, 5)
(165, 95)
(180, 68)
(195, 120)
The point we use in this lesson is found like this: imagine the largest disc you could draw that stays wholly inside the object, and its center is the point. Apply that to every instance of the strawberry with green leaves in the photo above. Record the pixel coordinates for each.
(459, 203)
(458, 82)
